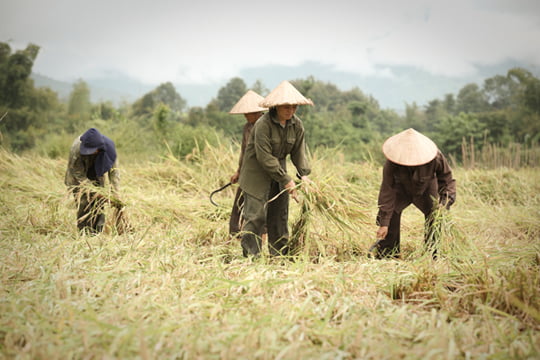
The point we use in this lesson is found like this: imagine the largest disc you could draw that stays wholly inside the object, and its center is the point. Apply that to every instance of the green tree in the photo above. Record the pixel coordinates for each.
(16, 68)
(501, 92)
(161, 120)
(471, 99)
(28, 113)
(163, 94)
(452, 130)
(196, 116)
(104, 110)
(79, 106)
(259, 88)
(229, 94)
(449, 104)
(415, 118)
(435, 112)
(526, 124)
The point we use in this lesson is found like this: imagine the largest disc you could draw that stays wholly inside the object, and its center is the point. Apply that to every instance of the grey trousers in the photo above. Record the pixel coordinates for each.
(234, 220)
(274, 214)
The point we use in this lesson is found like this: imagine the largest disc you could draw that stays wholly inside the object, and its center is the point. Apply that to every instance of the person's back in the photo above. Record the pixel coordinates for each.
(92, 156)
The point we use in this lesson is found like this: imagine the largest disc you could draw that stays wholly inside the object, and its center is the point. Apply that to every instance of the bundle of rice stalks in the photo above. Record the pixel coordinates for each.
(120, 220)
(446, 237)
(325, 207)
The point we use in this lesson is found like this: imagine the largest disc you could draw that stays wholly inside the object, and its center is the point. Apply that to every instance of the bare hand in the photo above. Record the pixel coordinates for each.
(291, 188)
(382, 232)
(235, 177)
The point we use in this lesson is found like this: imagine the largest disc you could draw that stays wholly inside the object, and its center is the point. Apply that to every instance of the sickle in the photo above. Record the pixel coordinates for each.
(375, 244)
(218, 190)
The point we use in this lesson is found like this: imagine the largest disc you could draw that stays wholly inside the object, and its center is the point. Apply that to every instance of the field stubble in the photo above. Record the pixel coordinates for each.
(177, 286)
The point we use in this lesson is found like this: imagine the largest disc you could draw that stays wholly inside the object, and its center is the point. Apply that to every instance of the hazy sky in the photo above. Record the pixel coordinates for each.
(201, 40)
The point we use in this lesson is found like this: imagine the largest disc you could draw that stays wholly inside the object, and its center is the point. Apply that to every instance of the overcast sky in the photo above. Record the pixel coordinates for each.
(200, 41)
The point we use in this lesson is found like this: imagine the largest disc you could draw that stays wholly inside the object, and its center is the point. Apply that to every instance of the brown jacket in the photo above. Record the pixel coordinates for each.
(403, 185)
(245, 139)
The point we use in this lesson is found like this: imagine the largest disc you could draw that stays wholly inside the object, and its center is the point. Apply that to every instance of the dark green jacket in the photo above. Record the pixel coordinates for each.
(266, 152)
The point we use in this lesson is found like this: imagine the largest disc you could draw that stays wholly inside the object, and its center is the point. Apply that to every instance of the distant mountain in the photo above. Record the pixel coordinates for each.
(116, 89)
(404, 85)
(61, 88)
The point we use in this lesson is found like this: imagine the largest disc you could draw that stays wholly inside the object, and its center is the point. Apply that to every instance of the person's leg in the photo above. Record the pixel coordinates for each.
(390, 245)
(97, 216)
(432, 229)
(277, 222)
(254, 219)
(84, 211)
(90, 216)
(234, 221)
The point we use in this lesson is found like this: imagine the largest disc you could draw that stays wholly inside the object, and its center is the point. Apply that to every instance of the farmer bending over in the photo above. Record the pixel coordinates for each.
(415, 172)
(92, 155)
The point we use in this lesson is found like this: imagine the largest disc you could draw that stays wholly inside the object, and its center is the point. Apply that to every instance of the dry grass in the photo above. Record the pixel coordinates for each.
(178, 287)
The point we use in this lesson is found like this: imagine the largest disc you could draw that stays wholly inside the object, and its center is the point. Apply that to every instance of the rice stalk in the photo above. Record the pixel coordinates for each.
(177, 286)
(320, 203)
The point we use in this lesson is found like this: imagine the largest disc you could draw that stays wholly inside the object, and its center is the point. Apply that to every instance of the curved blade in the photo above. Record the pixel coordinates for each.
(216, 191)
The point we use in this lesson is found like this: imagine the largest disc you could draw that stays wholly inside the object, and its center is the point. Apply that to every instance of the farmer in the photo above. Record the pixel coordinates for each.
(92, 155)
(249, 106)
(263, 175)
(415, 172)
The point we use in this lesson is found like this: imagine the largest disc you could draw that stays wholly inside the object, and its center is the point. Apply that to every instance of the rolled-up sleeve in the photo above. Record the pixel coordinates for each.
(445, 180)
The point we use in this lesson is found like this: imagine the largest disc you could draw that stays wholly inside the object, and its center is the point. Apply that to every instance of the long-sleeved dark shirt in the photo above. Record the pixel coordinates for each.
(402, 185)
(265, 156)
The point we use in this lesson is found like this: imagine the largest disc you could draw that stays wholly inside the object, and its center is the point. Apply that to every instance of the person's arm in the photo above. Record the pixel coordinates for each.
(387, 196)
(299, 153)
(114, 178)
(245, 139)
(76, 169)
(445, 181)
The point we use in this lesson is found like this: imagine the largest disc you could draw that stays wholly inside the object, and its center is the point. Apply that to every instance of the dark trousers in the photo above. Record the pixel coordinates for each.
(390, 245)
(274, 214)
(90, 216)
(234, 221)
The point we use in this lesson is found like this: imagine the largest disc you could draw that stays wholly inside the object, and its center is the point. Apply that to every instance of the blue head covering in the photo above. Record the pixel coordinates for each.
(91, 141)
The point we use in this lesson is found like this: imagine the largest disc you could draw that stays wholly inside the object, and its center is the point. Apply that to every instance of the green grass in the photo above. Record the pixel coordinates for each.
(178, 287)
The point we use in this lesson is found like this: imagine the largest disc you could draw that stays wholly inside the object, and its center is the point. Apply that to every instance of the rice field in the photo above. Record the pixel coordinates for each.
(177, 287)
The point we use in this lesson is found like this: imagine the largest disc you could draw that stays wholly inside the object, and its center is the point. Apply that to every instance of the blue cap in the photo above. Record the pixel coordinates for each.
(91, 141)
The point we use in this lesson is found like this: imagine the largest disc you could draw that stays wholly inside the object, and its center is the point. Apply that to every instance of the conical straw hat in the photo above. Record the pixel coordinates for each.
(285, 94)
(409, 148)
(249, 103)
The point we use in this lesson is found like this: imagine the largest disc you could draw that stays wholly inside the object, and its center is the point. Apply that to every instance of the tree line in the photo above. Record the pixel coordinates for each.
(504, 110)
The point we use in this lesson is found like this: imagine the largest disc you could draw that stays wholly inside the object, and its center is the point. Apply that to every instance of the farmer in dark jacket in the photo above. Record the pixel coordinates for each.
(248, 105)
(263, 176)
(92, 156)
(415, 172)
